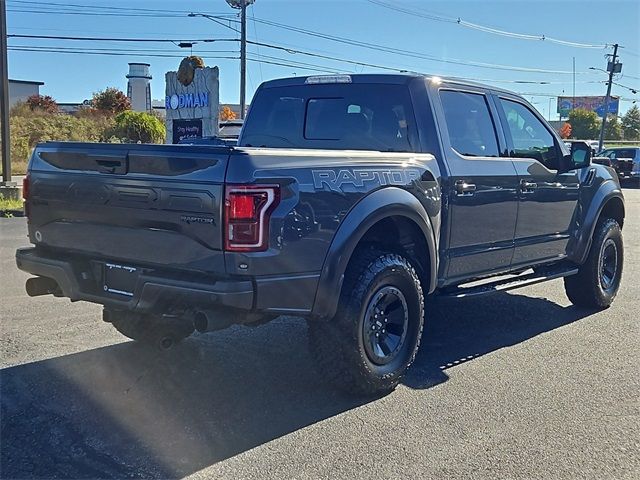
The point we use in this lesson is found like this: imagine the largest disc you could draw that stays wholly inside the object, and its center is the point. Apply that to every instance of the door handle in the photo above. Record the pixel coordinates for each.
(527, 187)
(464, 188)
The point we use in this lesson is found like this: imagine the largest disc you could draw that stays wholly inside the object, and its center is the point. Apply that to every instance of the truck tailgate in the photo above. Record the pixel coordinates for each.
(148, 204)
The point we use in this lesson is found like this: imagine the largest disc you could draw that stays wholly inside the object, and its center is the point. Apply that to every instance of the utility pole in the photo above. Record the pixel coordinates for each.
(242, 6)
(4, 98)
(243, 58)
(573, 101)
(611, 68)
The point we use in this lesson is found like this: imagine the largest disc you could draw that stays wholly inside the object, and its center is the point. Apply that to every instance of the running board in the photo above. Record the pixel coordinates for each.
(509, 283)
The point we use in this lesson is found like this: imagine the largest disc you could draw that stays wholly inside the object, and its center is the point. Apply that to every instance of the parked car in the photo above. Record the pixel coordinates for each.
(347, 201)
(625, 160)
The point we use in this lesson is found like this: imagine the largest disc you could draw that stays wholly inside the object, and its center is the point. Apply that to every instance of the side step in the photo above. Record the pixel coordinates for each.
(509, 283)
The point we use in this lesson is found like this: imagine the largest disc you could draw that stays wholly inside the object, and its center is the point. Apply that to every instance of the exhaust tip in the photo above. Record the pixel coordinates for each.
(38, 286)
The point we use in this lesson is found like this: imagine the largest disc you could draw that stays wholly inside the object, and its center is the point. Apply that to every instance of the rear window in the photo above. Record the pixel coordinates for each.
(343, 116)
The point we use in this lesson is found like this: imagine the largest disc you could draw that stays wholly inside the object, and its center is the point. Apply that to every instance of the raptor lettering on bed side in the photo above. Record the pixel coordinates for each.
(363, 177)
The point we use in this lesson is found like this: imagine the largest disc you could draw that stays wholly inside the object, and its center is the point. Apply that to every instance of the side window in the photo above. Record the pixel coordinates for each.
(623, 153)
(531, 139)
(471, 129)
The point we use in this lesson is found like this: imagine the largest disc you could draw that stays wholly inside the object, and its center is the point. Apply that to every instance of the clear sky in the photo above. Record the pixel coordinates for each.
(72, 77)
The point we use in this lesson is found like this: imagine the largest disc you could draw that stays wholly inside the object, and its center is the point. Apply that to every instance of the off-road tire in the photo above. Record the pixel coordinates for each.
(338, 345)
(586, 288)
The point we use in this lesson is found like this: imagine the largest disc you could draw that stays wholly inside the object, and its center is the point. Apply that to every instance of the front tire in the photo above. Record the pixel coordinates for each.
(369, 345)
(597, 282)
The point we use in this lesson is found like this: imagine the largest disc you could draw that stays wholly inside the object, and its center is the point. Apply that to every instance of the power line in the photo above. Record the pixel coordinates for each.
(386, 49)
(83, 8)
(118, 39)
(440, 18)
(110, 53)
(409, 53)
(271, 60)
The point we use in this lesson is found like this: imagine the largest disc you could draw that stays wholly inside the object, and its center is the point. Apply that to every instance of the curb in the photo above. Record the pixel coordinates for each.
(11, 213)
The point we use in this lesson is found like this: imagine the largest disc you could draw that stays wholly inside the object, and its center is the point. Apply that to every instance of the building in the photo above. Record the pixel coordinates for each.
(20, 90)
(139, 87)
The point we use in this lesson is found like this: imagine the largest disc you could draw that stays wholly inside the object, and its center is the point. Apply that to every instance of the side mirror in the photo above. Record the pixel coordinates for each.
(580, 155)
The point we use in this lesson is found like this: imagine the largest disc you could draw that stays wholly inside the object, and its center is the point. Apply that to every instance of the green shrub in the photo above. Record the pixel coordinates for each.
(138, 127)
(31, 127)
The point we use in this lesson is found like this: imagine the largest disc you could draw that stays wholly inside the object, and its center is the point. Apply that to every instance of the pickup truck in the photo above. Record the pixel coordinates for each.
(347, 201)
(625, 161)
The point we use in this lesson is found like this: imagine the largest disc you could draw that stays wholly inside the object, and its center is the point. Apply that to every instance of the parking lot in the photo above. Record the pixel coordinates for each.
(514, 385)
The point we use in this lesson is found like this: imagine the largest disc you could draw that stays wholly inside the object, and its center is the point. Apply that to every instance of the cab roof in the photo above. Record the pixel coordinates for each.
(383, 78)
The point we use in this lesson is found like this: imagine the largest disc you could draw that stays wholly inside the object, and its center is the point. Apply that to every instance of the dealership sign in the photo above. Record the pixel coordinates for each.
(187, 100)
(594, 104)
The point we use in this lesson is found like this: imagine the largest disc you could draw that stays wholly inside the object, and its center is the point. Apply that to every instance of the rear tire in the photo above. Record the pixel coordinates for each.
(369, 345)
(597, 282)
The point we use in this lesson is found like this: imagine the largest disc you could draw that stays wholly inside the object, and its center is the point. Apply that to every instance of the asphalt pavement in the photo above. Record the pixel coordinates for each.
(517, 385)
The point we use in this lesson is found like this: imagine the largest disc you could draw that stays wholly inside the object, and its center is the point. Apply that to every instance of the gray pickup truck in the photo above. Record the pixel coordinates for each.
(347, 201)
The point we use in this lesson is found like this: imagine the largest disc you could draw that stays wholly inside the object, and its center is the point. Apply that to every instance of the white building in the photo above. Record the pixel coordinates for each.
(20, 90)
(139, 87)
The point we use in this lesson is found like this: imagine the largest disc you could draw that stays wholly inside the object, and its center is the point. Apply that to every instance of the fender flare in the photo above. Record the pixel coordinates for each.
(381, 204)
(606, 192)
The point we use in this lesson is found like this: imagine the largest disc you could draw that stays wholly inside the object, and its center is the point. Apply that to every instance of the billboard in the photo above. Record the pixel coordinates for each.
(595, 104)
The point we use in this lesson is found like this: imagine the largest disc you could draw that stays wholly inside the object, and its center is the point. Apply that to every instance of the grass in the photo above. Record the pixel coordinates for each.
(7, 204)
(18, 167)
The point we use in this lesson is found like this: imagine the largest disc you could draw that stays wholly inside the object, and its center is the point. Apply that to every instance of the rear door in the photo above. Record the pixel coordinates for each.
(548, 197)
(142, 204)
(482, 185)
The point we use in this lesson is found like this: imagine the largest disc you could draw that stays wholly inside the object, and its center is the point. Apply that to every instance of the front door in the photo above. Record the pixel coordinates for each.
(547, 198)
(483, 186)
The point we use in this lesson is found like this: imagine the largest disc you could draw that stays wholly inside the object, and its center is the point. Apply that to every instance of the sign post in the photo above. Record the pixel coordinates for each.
(4, 99)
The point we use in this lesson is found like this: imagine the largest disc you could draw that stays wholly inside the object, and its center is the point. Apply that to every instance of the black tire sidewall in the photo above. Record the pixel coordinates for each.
(398, 273)
(609, 230)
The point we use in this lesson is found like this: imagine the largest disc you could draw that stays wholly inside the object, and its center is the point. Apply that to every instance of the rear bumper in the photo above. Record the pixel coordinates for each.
(151, 292)
(282, 294)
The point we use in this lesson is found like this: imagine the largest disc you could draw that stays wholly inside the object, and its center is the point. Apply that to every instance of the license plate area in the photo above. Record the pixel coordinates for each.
(119, 279)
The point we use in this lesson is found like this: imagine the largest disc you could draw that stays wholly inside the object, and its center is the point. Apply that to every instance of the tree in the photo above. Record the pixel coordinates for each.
(227, 114)
(631, 124)
(612, 129)
(565, 131)
(43, 103)
(138, 127)
(111, 101)
(584, 124)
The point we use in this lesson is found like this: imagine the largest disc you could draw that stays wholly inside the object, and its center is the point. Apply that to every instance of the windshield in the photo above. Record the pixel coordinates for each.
(344, 116)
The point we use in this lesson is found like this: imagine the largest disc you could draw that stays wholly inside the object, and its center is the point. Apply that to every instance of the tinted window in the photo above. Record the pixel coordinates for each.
(530, 137)
(471, 129)
(626, 153)
(342, 116)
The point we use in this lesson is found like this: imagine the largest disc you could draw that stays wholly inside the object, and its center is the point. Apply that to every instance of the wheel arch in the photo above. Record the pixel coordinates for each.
(607, 202)
(386, 214)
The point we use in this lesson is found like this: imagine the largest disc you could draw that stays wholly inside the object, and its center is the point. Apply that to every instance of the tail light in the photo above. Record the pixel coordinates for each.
(26, 193)
(247, 212)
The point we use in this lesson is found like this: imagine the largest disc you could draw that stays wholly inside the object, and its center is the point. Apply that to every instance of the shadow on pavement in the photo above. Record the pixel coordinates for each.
(124, 411)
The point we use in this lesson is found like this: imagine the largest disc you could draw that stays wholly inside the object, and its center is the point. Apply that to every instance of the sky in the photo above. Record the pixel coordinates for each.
(422, 36)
